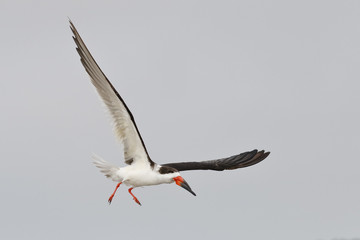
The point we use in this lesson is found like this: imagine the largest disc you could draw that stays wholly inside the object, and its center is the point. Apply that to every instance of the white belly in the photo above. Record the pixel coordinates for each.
(138, 177)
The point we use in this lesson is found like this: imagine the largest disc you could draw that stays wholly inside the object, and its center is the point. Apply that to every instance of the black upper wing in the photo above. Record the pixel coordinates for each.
(241, 160)
(123, 121)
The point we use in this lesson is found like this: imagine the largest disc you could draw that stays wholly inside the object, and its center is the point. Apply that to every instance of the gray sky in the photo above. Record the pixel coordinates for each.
(204, 80)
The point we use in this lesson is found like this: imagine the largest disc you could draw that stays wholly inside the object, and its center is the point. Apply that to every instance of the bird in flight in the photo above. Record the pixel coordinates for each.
(141, 170)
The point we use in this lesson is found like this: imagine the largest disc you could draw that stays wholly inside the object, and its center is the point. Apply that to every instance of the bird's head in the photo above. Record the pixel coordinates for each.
(173, 175)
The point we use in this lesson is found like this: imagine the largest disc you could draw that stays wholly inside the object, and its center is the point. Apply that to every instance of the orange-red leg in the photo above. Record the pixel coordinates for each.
(112, 195)
(135, 199)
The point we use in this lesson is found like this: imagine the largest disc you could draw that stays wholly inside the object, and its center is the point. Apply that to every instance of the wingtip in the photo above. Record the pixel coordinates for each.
(266, 154)
(253, 159)
(72, 27)
(70, 22)
(261, 156)
(263, 152)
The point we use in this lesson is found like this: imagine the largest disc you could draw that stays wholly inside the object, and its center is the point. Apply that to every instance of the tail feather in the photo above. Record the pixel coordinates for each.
(107, 168)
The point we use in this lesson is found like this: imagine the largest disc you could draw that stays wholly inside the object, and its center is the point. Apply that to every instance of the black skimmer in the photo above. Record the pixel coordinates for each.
(140, 169)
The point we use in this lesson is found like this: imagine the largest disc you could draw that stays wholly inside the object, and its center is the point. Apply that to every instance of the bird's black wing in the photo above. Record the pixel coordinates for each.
(123, 121)
(241, 160)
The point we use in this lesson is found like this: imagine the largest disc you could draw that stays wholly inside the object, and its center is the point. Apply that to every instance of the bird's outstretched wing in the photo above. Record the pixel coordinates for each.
(241, 160)
(124, 124)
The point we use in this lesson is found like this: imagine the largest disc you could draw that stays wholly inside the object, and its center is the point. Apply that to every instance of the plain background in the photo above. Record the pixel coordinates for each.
(204, 80)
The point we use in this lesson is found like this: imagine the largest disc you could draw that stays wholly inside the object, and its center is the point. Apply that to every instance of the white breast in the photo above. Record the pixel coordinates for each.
(137, 176)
